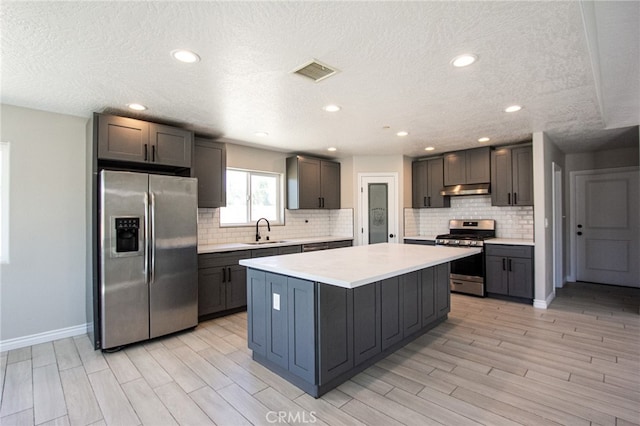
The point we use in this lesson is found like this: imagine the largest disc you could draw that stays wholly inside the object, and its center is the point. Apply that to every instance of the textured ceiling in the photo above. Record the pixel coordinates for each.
(574, 68)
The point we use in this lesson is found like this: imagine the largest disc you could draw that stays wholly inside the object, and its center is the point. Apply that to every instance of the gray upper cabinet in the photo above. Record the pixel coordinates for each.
(209, 166)
(469, 166)
(512, 176)
(131, 140)
(427, 181)
(312, 183)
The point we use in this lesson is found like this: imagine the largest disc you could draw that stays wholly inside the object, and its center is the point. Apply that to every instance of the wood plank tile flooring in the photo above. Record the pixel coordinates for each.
(493, 363)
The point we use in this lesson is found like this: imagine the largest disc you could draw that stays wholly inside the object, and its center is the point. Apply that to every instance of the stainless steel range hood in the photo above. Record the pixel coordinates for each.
(467, 189)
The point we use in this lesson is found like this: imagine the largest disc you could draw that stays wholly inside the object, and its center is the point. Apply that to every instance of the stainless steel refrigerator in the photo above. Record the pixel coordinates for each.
(148, 256)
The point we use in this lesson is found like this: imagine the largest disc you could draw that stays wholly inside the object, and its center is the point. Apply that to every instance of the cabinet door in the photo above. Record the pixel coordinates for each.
(478, 162)
(290, 249)
(257, 315)
(455, 168)
(236, 286)
(391, 312)
(170, 146)
(309, 183)
(302, 336)
(419, 179)
(277, 320)
(443, 289)
(411, 314)
(427, 296)
(335, 331)
(211, 291)
(435, 183)
(522, 173)
(330, 184)
(209, 166)
(520, 277)
(340, 244)
(501, 182)
(366, 322)
(123, 139)
(496, 277)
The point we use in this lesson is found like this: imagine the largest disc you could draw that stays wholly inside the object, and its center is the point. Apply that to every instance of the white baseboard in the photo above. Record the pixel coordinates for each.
(544, 304)
(47, 336)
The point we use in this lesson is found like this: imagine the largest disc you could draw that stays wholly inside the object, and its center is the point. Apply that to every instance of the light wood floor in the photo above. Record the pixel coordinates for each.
(492, 363)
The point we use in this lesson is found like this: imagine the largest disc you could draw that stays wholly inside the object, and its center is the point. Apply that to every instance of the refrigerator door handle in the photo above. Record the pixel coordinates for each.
(146, 233)
(152, 240)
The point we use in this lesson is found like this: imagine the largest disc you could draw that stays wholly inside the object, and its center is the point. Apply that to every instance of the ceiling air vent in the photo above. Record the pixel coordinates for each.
(315, 70)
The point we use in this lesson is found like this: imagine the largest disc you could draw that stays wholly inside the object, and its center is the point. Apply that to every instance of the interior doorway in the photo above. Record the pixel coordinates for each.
(558, 226)
(605, 226)
(378, 206)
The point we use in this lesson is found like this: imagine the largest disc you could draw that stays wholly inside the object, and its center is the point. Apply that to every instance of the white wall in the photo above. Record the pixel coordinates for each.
(43, 287)
(545, 153)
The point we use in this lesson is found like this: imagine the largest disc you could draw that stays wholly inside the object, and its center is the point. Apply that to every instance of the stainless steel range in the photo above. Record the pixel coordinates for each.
(467, 274)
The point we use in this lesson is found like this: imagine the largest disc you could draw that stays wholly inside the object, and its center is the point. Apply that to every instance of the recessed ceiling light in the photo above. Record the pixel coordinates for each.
(485, 139)
(331, 108)
(513, 108)
(261, 134)
(332, 149)
(402, 133)
(464, 60)
(429, 148)
(137, 107)
(185, 56)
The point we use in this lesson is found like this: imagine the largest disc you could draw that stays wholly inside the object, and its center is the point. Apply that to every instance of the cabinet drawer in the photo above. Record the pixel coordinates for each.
(509, 250)
(271, 251)
(212, 260)
(339, 244)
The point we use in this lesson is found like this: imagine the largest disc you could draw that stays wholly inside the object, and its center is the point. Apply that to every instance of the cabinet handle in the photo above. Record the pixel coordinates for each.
(509, 198)
(429, 201)
(153, 153)
(322, 202)
(515, 198)
(224, 275)
(319, 202)
(504, 266)
(145, 152)
(424, 202)
(229, 274)
(510, 270)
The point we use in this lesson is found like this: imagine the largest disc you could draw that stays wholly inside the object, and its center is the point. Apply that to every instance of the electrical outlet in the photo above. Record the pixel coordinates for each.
(276, 301)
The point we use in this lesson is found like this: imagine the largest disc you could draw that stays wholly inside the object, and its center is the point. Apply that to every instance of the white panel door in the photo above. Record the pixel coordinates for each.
(378, 209)
(606, 230)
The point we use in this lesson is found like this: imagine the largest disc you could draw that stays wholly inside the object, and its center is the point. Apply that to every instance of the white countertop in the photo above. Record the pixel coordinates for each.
(510, 241)
(217, 248)
(352, 267)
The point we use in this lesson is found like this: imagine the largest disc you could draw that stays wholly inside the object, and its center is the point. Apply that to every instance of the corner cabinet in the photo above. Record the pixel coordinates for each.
(509, 271)
(467, 167)
(136, 141)
(427, 180)
(209, 166)
(512, 176)
(312, 183)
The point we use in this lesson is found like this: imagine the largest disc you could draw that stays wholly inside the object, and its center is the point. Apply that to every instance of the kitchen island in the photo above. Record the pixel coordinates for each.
(318, 318)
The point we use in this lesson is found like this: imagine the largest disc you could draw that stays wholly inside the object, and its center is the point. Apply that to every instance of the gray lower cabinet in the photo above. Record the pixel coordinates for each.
(509, 270)
(318, 335)
(221, 282)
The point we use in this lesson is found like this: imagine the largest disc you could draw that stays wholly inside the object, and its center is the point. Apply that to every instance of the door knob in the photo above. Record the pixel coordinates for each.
(391, 235)
(579, 226)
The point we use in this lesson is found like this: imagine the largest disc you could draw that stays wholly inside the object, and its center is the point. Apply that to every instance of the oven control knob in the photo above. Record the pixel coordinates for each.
(473, 243)
(456, 242)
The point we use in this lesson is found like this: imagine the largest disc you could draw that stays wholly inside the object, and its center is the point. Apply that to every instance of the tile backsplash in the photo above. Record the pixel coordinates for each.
(511, 222)
(298, 224)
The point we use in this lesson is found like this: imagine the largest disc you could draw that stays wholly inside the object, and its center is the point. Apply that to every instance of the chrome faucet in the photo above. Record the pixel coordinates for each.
(258, 232)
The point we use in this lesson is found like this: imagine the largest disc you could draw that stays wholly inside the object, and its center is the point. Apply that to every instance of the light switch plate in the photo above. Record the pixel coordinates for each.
(276, 301)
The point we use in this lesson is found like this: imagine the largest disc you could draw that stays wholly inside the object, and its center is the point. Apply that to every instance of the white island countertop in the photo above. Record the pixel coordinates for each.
(352, 267)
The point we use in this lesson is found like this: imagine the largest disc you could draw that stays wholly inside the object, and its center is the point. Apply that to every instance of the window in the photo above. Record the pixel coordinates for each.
(250, 196)
(4, 202)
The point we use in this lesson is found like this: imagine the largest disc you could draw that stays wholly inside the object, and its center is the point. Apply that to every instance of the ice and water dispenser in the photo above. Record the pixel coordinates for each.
(127, 234)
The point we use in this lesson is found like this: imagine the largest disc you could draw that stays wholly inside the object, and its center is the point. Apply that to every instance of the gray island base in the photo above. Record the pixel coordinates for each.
(319, 318)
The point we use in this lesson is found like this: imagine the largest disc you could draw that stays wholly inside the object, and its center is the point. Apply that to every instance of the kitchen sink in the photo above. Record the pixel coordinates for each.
(267, 242)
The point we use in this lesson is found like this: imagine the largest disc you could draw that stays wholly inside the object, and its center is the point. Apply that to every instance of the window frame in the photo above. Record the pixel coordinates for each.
(4, 201)
(279, 198)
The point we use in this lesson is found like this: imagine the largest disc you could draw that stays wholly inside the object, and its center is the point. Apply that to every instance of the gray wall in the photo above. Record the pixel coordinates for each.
(43, 286)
